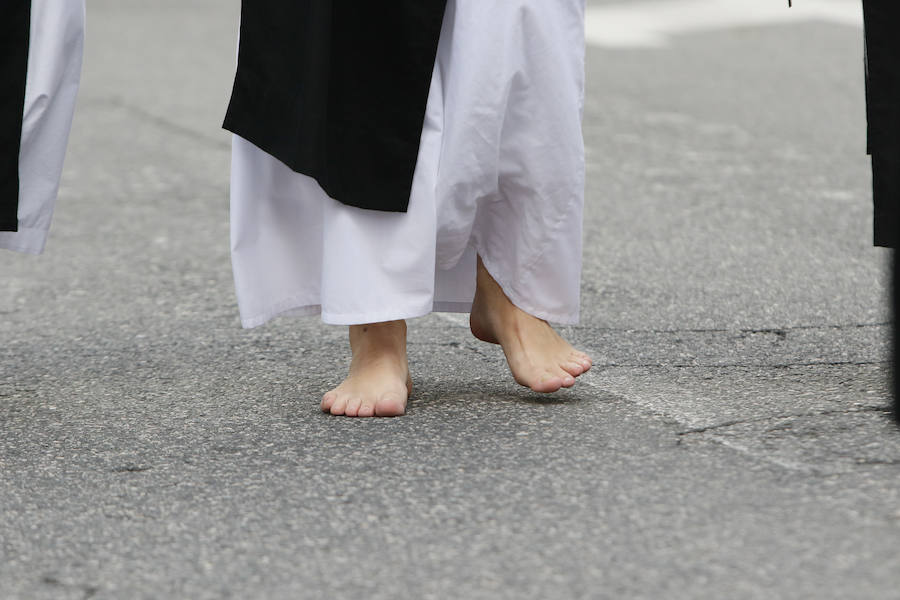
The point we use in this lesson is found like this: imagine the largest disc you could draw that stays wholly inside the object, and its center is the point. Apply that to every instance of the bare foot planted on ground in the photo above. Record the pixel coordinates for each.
(537, 356)
(378, 384)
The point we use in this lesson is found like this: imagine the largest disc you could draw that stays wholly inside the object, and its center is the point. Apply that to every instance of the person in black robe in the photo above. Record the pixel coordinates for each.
(882, 60)
(41, 44)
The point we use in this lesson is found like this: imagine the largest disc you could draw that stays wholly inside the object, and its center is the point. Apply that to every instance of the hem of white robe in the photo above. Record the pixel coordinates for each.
(295, 308)
(28, 240)
(519, 301)
(299, 306)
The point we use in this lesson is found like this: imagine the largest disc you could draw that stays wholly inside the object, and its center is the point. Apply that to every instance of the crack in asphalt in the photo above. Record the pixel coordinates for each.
(779, 331)
(823, 413)
(89, 591)
(162, 122)
(841, 363)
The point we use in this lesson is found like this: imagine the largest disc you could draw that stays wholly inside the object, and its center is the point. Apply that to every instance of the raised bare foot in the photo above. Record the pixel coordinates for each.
(537, 356)
(378, 384)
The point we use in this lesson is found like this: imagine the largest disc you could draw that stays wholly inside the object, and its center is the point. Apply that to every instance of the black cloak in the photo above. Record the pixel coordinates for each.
(883, 108)
(337, 90)
(15, 26)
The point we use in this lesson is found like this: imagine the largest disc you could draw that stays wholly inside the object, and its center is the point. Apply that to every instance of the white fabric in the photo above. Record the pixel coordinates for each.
(54, 72)
(500, 172)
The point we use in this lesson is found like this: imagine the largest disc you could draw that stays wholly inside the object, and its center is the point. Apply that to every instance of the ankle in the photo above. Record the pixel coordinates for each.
(378, 336)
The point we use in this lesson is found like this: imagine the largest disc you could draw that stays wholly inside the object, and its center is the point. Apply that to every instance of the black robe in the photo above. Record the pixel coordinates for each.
(883, 107)
(882, 18)
(337, 90)
(15, 25)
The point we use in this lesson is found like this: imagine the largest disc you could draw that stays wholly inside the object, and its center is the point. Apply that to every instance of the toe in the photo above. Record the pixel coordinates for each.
(581, 358)
(328, 400)
(584, 360)
(352, 408)
(573, 368)
(390, 404)
(548, 383)
(552, 381)
(339, 405)
(366, 409)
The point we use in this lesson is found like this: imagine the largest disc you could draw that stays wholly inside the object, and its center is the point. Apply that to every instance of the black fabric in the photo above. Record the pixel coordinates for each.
(883, 110)
(886, 192)
(15, 24)
(337, 90)
(896, 341)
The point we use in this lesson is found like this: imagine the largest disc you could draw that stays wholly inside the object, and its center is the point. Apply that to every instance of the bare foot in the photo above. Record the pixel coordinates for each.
(378, 384)
(537, 356)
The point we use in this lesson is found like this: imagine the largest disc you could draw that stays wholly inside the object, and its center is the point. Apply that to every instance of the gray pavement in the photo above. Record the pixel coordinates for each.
(732, 441)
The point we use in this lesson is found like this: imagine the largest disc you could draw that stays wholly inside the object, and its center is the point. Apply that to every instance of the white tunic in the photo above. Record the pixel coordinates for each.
(54, 72)
(500, 173)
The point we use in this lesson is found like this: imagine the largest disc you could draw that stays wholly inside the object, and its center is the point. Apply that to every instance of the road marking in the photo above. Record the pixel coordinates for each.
(650, 24)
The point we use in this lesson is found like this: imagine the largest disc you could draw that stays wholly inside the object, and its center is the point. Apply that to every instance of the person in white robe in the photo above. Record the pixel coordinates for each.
(493, 227)
(54, 57)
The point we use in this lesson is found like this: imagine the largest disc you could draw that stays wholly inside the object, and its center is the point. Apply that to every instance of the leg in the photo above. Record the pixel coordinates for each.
(378, 384)
(537, 356)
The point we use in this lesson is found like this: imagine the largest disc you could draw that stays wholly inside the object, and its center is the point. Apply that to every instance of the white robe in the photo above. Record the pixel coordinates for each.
(500, 173)
(54, 71)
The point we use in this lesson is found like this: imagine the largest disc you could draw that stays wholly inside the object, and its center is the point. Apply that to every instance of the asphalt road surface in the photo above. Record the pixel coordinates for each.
(732, 441)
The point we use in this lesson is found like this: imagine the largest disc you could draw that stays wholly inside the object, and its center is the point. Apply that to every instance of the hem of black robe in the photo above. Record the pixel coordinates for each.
(886, 197)
(386, 194)
(15, 31)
